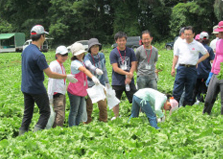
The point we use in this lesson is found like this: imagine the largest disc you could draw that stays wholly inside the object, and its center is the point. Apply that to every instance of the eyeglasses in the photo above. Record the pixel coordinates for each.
(187, 34)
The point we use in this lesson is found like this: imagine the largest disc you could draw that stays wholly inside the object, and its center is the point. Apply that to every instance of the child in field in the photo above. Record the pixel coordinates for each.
(57, 87)
(95, 62)
(151, 102)
(77, 91)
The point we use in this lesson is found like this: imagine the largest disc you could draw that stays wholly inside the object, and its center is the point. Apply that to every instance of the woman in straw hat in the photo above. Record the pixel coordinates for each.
(77, 91)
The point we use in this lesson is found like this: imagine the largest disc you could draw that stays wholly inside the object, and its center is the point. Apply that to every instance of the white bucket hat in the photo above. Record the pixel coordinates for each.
(61, 50)
(38, 29)
(77, 49)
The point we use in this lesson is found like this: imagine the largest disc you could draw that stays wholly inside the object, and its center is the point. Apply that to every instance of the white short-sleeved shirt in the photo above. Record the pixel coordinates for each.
(213, 44)
(56, 85)
(75, 66)
(189, 53)
(179, 40)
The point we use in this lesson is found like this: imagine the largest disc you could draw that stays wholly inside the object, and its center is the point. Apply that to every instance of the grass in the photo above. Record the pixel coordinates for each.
(185, 134)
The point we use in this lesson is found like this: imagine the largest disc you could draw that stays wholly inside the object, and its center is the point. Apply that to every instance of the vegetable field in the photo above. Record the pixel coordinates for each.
(186, 134)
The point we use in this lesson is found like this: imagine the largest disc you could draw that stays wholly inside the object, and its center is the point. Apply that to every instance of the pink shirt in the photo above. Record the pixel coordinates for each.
(218, 57)
(79, 88)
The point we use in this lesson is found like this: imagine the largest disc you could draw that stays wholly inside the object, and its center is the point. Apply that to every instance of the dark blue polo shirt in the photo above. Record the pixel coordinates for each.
(205, 67)
(33, 64)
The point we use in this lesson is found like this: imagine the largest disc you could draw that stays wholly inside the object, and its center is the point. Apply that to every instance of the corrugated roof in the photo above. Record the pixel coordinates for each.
(6, 36)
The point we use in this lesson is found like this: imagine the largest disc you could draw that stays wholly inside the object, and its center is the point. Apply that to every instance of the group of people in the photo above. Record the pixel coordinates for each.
(88, 68)
(197, 67)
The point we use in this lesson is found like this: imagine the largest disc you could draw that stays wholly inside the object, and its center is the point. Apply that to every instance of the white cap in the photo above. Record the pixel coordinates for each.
(38, 29)
(61, 50)
(204, 35)
(77, 49)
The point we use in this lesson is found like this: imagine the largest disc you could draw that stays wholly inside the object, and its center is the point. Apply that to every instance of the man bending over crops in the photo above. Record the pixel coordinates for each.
(151, 102)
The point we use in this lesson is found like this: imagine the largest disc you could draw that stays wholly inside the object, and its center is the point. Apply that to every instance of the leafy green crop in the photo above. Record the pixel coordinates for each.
(220, 75)
(186, 134)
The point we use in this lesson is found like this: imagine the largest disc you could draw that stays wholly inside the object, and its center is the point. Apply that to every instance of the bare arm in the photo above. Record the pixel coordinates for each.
(119, 70)
(55, 75)
(175, 59)
(85, 71)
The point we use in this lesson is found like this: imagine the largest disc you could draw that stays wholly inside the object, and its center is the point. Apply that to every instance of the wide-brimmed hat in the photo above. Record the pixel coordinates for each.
(38, 29)
(215, 32)
(61, 50)
(220, 27)
(92, 42)
(204, 35)
(77, 49)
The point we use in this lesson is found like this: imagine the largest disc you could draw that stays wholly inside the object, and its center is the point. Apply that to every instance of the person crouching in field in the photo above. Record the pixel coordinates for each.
(78, 91)
(95, 62)
(57, 87)
(151, 102)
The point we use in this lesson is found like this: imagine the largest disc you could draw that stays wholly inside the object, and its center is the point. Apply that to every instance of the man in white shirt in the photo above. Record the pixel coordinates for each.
(213, 42)
(187, 53)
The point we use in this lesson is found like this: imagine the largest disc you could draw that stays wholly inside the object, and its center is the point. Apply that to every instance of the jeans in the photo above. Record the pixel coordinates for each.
(146, 108)
(77, 105)
(186, 77)
(215, 86)
(42, 102)
(146, 82)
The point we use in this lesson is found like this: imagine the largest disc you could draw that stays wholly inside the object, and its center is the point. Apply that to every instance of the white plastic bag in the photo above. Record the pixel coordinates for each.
(112, 100)
(51, 118)
(96, 93)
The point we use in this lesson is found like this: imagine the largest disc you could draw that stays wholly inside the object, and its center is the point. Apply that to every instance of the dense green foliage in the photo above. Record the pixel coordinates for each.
(72, 20)
(185, 134)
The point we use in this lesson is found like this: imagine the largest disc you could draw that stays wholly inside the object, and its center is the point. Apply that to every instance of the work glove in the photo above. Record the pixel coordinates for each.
(71, 78)
(209, 78)
(95, 80)
(99, 71)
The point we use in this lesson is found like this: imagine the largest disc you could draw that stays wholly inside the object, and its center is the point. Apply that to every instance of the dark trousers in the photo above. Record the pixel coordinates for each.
(120, 89)
(185, 77)
(215, 86)
(200, 90)
(42, 102)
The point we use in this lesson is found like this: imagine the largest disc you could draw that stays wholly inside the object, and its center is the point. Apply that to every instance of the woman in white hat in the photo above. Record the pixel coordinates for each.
(215, 86)
(77, 91)
(95, 62)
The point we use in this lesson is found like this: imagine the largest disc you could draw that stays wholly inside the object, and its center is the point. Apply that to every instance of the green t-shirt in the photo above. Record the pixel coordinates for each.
(155, 98)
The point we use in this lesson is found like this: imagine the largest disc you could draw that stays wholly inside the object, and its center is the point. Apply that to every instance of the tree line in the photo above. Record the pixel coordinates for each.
(71, 20)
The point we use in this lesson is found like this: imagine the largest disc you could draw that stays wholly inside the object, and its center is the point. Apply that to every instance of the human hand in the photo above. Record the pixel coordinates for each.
(173, 72)
(99, 71)
(209, 78)
(71, 78)
(95, 80)
(128, 81)
(129, 75)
